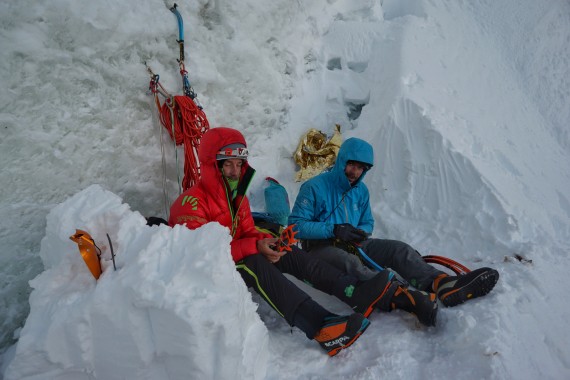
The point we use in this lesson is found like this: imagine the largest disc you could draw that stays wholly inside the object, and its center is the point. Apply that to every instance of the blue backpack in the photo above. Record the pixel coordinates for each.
(277, 202)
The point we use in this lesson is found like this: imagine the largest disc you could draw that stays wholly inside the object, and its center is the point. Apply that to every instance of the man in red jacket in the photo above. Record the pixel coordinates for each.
(219, 196)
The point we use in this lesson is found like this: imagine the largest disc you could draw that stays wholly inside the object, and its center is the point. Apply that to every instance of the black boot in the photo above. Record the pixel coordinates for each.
(422, 304)
(339, 332)
(454, 290)
(367, 294)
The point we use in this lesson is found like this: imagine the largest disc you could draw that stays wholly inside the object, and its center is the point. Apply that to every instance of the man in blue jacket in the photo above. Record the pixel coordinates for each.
(333, 216)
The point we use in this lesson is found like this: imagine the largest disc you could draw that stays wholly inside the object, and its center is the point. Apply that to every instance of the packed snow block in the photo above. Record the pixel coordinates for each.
(174, 308)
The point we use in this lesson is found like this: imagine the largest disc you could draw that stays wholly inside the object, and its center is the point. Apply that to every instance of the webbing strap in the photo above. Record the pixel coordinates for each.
(368, 259)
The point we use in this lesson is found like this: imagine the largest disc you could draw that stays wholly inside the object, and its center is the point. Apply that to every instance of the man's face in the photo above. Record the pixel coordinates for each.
(232, 168)
(353, 171)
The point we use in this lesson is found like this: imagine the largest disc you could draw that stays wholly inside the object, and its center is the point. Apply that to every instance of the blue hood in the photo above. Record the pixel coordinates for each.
(353, 149)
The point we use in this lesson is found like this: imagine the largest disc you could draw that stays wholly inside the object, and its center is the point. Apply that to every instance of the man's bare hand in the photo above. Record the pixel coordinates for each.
(264, 247)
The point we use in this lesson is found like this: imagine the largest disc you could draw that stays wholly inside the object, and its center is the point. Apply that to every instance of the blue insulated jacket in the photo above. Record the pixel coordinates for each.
(329, 199)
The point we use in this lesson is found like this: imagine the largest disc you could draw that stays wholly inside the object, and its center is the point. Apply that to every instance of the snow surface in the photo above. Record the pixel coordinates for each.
(465, 102)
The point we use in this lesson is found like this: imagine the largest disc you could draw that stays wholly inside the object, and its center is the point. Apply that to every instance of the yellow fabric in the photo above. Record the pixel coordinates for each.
(316, 153)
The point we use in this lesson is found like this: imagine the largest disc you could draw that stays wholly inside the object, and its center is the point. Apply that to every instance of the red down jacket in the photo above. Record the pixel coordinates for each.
(208, 200)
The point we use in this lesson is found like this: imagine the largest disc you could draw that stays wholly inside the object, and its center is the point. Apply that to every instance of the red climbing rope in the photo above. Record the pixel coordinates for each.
(185, 122)
(182, 116)
(186, 129)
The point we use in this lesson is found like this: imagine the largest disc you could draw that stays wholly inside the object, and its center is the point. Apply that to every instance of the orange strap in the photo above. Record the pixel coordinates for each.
(447, 262)
(88, 251)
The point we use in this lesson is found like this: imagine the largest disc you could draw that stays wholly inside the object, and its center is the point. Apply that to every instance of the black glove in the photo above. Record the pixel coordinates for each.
(346, 232)
(155, 221)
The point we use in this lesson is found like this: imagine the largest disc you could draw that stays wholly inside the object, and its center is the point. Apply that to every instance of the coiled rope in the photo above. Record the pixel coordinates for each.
(182, 116)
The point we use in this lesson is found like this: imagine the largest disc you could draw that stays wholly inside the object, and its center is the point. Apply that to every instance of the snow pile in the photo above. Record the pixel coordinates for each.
(175, 305)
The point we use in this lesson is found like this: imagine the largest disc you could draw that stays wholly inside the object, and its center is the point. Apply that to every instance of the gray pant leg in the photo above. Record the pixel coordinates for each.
(344, 261)
(403, 259)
